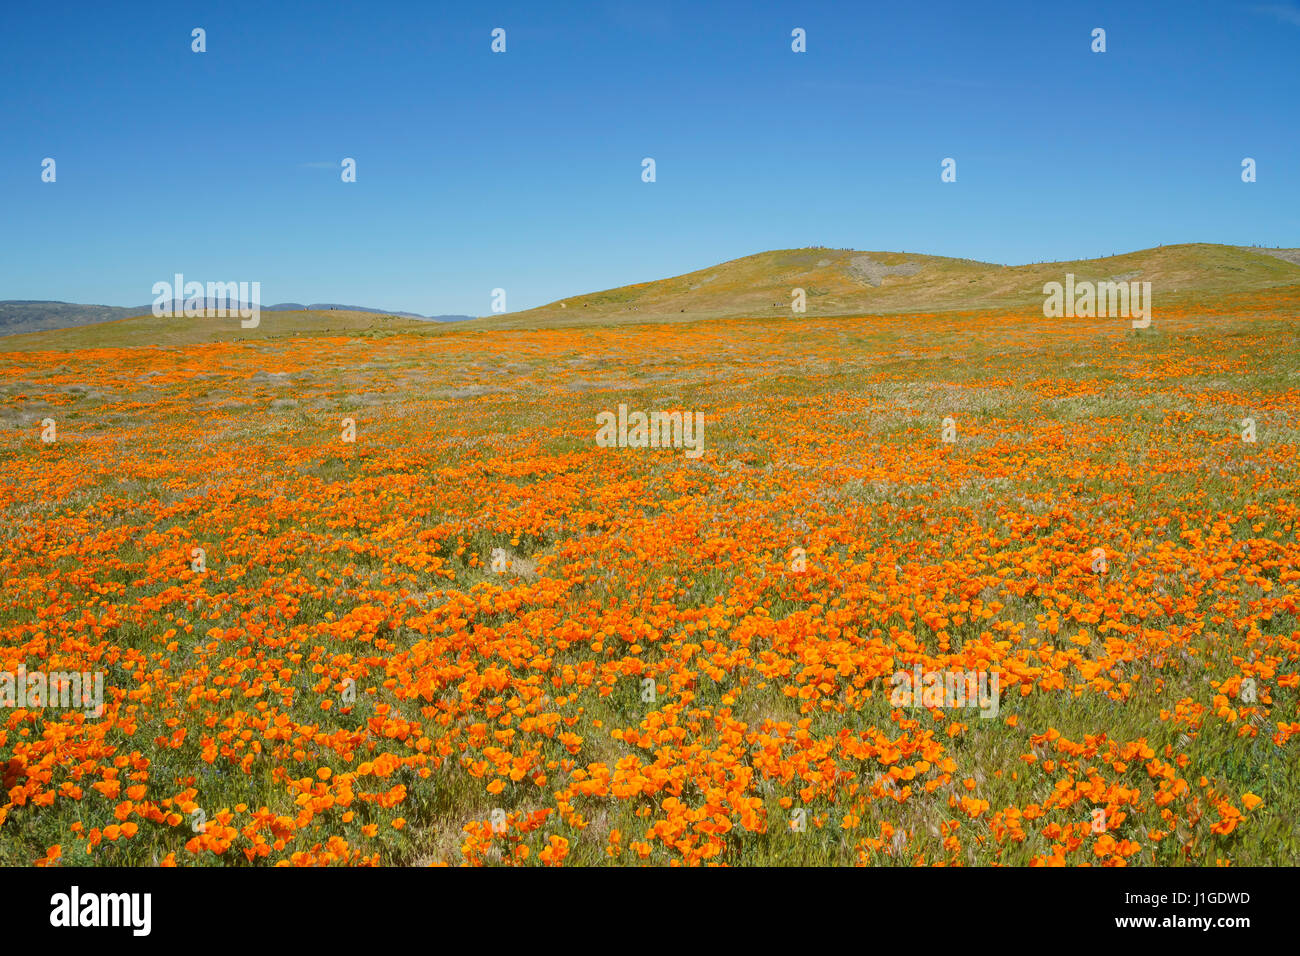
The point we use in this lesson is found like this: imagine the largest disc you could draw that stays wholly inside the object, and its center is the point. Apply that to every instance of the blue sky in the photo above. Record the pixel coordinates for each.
(522, 170)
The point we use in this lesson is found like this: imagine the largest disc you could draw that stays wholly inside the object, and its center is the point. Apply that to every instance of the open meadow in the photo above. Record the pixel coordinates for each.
(378, 596)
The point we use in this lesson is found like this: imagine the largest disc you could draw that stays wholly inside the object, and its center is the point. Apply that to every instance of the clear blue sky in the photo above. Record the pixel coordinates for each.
(522, 170)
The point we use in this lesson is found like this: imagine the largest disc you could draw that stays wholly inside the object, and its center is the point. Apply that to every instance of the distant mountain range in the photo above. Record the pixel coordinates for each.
(31, 315)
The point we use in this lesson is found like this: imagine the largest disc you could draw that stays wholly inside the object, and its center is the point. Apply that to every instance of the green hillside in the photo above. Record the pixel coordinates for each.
(847, 282)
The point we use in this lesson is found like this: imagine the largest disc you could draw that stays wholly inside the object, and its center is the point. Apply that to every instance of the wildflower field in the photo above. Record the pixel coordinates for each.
(309, 655)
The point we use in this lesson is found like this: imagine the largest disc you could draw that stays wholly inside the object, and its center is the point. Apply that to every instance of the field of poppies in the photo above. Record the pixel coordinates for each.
(383, 599)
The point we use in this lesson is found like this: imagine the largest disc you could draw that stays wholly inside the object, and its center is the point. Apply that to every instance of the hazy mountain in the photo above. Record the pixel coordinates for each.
(33, 315)
(335, 307)
(25, 315)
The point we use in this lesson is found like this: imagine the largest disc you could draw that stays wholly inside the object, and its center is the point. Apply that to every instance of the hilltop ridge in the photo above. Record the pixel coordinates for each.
(853, 282)
(835, 282)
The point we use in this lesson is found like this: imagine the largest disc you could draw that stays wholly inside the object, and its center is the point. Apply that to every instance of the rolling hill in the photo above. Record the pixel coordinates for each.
(835, 282)
(848, 282)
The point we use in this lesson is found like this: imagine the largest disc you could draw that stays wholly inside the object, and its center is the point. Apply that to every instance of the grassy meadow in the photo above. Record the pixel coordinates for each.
(681, 660)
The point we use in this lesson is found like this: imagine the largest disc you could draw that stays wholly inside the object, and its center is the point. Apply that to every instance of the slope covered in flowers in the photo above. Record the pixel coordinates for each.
(348, 680)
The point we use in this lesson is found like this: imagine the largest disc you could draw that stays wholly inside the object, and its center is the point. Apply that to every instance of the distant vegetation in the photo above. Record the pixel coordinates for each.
(18, 316)
(149, 331)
